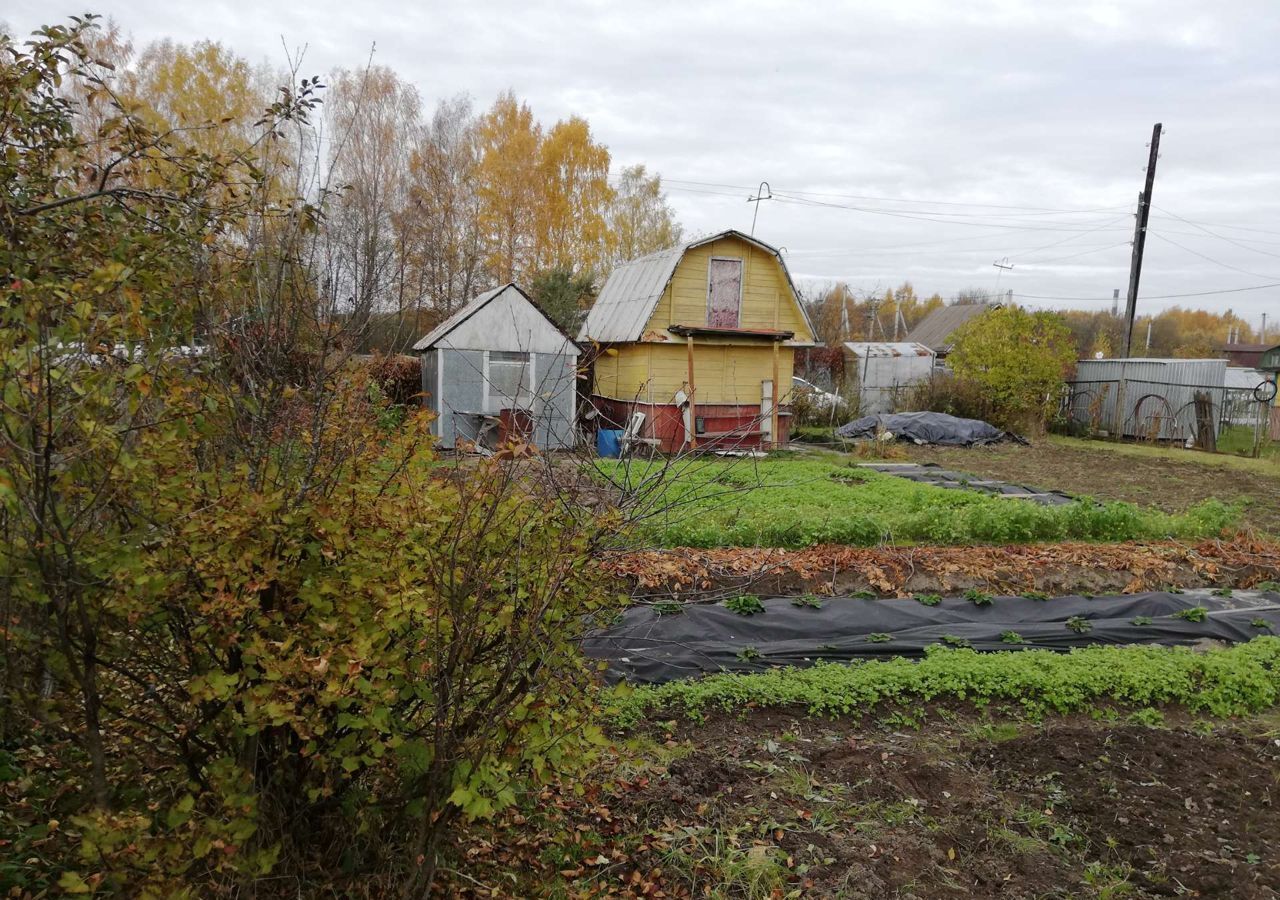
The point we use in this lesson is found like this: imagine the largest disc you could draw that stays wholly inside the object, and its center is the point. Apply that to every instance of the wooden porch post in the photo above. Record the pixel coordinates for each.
(693, 409)
(773, 433)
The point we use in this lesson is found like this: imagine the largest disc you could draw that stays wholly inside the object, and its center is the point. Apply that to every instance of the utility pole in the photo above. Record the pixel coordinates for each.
(1140, 239)
(1262, 337)
(1148, 335)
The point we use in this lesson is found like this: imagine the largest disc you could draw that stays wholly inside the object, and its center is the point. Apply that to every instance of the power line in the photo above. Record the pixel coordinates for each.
(1256, 287)
(897, 214)
(1222, 225)
(1220, 237)
(1073, 237)
(1216, 262)
(1043, 209)
(1041, 262)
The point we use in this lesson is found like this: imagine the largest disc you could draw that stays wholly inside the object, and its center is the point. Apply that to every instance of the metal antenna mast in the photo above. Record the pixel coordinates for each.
(764, 192)
(1001, 264)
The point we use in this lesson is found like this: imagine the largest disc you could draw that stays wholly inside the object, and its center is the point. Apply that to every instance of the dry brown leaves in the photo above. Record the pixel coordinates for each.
(1241, 561)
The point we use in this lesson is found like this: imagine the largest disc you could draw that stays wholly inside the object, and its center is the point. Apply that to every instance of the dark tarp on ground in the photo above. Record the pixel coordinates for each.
(924, 428)
(931, 473)
(646, 647)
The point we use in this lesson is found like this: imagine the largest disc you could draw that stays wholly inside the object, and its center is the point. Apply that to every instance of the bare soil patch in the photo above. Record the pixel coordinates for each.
(1171, 485)
(958, 804)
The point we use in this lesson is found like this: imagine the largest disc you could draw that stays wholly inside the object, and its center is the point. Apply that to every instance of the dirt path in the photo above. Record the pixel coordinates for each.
(1169, 484)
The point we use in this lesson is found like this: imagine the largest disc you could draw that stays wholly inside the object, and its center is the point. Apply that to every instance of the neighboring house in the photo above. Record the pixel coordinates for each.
(1248, 356)
(884, 371)
(700, 339)
(499, 367)
(936, 329)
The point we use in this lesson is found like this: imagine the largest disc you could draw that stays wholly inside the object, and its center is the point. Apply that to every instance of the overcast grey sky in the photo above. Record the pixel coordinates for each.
(912, 140)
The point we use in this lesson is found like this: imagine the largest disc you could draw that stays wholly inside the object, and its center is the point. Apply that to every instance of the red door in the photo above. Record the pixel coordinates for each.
(724, 293)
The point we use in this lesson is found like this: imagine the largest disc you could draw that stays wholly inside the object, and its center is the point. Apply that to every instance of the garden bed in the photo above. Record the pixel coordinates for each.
(790, 502)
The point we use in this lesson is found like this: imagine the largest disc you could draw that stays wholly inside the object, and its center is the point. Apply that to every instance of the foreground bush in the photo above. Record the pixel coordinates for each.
(1224, 682)
(254, 634)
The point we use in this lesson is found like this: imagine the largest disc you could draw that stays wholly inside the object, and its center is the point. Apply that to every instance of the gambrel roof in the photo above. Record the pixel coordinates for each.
(628, 299)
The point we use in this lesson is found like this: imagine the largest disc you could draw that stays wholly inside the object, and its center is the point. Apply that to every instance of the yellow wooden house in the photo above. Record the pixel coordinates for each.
(700, 338)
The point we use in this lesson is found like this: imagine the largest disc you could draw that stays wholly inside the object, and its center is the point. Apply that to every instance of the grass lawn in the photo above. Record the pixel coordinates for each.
(824, 498)
(1165, 478)
(1237, 440)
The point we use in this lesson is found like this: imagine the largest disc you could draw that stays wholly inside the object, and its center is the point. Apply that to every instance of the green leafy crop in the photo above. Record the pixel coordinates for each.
(1223, 682)
(977, 597)
(812, 601)
(745, 604)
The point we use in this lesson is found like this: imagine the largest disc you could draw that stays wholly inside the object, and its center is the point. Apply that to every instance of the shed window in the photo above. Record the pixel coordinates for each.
(510, 380)
(724, 292)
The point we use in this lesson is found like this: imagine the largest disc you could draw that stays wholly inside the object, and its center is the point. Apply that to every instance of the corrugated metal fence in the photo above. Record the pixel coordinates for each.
(1196, 415)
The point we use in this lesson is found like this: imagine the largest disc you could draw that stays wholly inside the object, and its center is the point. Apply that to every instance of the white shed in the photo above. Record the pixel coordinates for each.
(884, 371)
(499, 363)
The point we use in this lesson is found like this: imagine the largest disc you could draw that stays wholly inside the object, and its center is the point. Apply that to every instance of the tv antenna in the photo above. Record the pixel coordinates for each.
(1001, 264)
(764, 192)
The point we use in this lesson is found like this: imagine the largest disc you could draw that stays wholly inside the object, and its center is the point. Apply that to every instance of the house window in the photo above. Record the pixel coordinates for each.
(724, 292)
(509, 381)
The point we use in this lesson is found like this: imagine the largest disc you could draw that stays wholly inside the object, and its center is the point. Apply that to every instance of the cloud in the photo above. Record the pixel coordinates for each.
(994, 103)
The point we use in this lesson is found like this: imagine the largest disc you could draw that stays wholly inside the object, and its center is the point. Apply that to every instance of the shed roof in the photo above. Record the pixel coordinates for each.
(1240, 377)
(935, 330)
(632, 292)
(887, 348)
(461, 315)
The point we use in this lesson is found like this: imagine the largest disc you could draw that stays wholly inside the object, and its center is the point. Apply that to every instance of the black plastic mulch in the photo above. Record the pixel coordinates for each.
(931, 473)
(650, 647)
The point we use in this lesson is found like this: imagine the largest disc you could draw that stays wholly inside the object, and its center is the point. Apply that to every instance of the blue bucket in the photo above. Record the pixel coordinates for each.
(609, 442)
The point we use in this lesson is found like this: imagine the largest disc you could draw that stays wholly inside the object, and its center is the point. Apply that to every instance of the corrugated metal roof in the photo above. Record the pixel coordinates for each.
(628, 298)
(887, 348)
(1239, 378)
(461, 316)
(935, 329)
